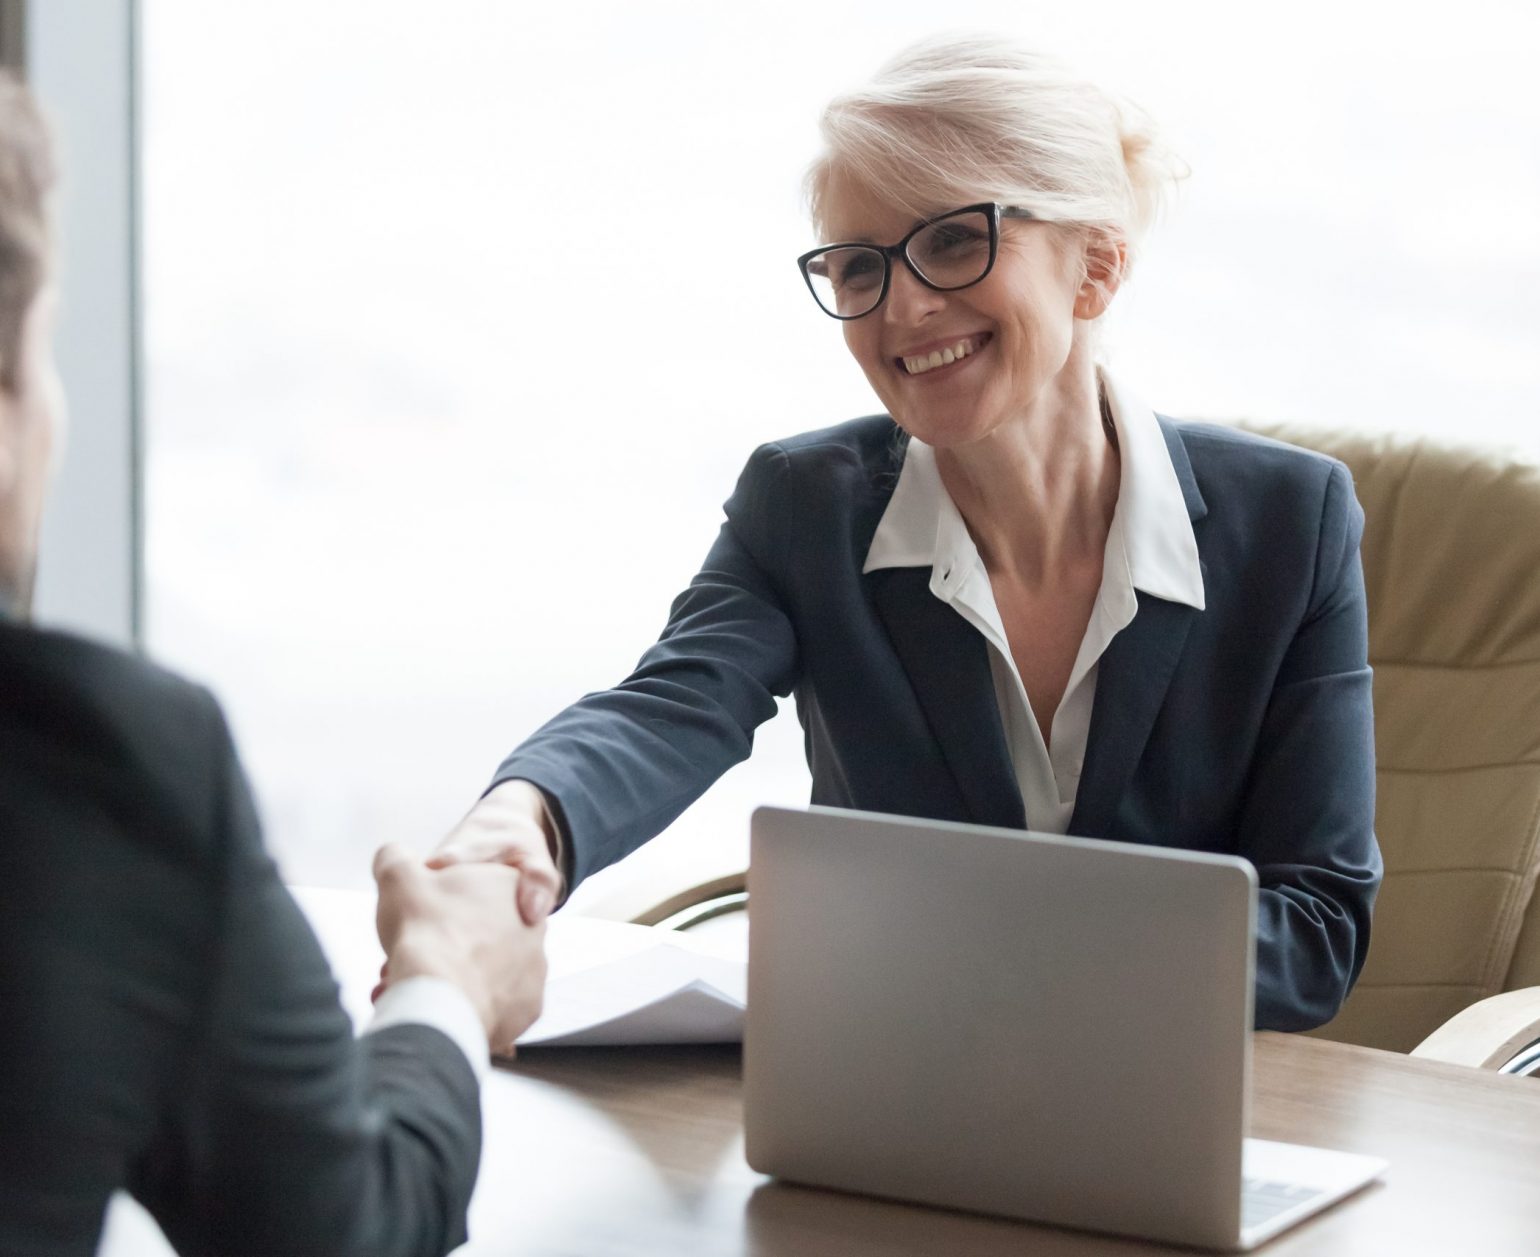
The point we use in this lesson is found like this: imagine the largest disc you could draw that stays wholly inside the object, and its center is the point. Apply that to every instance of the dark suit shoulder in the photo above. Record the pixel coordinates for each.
(1249, 459)
(1266, 490)
(98, 676)
(1275, 515)
(816, 488)
(871, 439)
(142, 743)
(113, 781)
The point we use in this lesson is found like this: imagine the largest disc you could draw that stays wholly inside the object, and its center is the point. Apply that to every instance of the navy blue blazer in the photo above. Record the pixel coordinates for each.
(1244, 728)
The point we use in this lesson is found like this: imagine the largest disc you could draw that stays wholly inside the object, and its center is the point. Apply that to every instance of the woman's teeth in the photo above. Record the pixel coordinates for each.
(921, 363)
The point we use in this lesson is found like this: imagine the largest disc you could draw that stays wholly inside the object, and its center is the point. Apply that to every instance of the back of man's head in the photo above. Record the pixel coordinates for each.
(26, 178)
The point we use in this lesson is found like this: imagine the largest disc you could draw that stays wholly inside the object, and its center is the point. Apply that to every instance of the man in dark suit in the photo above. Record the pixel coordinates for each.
(168, 1023)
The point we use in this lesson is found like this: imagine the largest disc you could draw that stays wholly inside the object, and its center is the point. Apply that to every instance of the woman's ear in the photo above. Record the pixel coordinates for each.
(1106, 260)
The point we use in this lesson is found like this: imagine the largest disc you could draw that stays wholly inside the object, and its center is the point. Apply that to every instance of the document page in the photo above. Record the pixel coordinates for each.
(647, 989)
(608, 982)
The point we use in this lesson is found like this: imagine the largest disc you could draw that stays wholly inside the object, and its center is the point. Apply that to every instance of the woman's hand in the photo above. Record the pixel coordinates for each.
(509, 826)
(454, 924)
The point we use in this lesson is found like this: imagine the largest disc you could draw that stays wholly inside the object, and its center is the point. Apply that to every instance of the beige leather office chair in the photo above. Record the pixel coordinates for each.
(1451, 555)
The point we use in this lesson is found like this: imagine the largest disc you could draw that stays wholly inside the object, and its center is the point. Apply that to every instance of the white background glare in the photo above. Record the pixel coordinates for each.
(461, 320)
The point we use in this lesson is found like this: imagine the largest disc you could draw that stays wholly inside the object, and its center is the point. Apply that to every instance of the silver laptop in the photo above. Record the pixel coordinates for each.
(1013, 1023)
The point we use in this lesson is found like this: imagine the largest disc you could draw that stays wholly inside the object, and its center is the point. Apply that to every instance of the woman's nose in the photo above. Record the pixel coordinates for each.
(909, 301)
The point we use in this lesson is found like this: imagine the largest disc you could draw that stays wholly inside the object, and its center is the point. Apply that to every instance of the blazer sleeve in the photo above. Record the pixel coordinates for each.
(1308, 816)
(291, 1136)
(620, 765)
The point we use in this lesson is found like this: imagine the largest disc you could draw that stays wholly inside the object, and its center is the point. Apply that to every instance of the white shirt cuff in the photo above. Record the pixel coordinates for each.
(425, 1001)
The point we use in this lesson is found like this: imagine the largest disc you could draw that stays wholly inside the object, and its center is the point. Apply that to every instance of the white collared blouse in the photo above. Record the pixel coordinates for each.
(1150, 547)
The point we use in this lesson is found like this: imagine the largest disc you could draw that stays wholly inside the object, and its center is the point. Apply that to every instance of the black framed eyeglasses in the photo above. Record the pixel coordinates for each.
(951, 251)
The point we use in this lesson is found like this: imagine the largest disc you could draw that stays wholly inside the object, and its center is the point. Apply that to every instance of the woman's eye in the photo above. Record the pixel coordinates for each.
(952, 238)
(862, 271)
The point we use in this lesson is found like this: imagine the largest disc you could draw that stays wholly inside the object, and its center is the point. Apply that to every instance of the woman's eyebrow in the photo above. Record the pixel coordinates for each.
(913, 225)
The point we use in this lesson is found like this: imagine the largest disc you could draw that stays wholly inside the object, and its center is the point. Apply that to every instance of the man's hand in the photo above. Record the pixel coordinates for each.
(459, 923)
(508, 826)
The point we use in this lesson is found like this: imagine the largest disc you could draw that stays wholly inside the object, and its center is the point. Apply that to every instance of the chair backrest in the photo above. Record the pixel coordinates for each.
(1451, 554)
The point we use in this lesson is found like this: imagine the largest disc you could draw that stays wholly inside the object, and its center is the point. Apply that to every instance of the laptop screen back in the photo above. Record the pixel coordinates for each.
(1020, 1024)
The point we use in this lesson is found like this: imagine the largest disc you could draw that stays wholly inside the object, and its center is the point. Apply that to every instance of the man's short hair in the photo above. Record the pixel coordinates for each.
(26, 177)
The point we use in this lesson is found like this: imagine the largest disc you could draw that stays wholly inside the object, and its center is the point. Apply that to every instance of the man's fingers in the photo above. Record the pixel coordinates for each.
(497, 852)
(516, 855)
(398, 875)
(538, 882)
(390, 861)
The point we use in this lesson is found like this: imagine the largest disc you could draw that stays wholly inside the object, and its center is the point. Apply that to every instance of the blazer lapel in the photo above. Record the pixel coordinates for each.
(1131, 682)
(1133, 677)
(947, 663)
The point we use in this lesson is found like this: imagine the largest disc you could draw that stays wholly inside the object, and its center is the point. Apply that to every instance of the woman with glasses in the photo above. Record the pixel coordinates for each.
(1020, 597)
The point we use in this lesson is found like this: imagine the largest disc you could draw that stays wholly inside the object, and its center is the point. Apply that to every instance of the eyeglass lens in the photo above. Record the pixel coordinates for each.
(951, 252)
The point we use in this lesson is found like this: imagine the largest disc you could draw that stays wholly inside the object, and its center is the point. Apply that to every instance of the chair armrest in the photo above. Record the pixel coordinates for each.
(718, 887)
(1487, 1034)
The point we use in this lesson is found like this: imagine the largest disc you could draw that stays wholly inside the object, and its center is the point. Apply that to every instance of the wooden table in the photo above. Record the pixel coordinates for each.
(604, 1152)
(596, 1151)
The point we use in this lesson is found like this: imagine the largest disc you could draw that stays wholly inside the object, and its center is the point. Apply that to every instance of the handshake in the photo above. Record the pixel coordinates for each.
(474, 912)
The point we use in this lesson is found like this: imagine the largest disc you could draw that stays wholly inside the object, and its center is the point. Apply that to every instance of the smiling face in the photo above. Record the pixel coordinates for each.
(954, 367)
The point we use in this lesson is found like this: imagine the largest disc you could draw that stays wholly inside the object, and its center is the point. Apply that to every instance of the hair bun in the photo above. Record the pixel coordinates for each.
(956, 119)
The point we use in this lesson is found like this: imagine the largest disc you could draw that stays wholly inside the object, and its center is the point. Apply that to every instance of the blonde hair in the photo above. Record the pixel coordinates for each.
(961, 118)
(26, 178)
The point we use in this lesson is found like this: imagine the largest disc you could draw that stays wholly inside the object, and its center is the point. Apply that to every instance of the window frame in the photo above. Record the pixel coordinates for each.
(82, 59)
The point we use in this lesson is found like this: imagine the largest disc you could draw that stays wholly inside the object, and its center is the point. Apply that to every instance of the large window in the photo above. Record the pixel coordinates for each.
(461, 320)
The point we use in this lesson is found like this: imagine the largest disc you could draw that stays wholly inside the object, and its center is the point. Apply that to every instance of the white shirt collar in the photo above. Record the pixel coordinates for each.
(922, 527)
